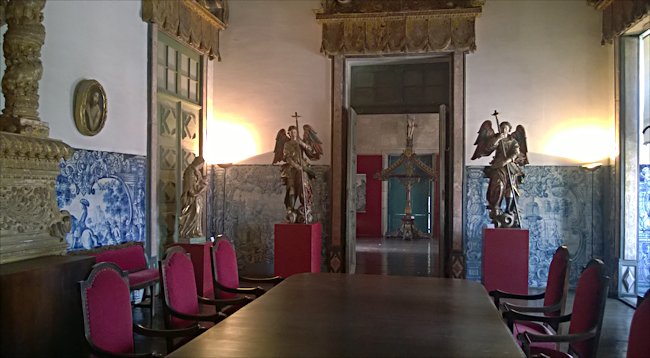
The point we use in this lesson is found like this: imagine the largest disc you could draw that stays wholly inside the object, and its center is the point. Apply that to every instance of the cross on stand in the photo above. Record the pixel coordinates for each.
(409, 160)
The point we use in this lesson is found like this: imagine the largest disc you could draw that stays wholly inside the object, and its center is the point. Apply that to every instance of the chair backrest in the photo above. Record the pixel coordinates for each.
(589, 307)
(638, 345)
(557, 283)
(179, 286)
(106, 306)
(130, 258)
(224, 266)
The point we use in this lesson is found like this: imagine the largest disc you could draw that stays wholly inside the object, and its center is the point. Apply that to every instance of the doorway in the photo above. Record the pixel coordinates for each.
(381, 94)
(634, 129)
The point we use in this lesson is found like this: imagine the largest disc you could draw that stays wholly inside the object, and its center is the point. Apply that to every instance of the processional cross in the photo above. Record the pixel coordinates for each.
(409, 160)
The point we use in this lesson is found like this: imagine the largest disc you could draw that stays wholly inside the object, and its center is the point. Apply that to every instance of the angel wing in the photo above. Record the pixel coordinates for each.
(310, 137)
(278, 151)
(481, 142)
(520, 136)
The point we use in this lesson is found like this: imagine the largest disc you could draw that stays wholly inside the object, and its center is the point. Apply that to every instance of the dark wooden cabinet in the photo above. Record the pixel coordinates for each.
(40, 307)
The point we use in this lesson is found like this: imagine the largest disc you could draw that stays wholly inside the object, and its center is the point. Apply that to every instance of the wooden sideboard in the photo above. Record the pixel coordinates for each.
(40, 306)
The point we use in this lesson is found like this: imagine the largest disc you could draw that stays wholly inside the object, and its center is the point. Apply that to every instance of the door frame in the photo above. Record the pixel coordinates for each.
(452, 169)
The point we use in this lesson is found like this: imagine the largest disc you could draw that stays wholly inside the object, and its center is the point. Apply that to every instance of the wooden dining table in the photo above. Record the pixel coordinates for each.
(341, 315)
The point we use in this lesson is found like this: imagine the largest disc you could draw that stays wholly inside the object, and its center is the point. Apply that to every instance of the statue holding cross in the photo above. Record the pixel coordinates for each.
(296, 172)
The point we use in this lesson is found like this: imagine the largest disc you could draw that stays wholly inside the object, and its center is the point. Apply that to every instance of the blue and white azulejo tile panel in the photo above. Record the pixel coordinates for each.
(559, 205)
(105, 194)
(643, 269)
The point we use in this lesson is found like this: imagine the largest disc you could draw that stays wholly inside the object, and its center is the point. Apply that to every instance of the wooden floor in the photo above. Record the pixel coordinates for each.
(420, 258)
(381, 256)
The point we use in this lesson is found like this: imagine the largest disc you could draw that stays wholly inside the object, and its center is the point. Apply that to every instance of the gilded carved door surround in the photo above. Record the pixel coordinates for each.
(400, 28)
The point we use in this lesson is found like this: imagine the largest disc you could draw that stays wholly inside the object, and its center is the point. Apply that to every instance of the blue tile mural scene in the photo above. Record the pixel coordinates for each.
(104, 193)
(643, 268)
(559, 205)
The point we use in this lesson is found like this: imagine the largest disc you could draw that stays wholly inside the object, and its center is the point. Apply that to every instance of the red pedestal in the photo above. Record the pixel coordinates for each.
(200, 254)
(505, 260)
(297, 248)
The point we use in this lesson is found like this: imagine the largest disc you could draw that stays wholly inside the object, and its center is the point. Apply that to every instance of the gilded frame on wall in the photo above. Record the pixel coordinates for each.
(89, 107)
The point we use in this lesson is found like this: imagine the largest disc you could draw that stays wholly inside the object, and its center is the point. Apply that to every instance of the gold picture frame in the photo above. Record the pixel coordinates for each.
(89, 107)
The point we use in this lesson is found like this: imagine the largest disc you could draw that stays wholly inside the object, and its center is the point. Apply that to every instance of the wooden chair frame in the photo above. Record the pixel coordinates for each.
(137, 328)
(169, 311)
(254, 291)
(594, 332)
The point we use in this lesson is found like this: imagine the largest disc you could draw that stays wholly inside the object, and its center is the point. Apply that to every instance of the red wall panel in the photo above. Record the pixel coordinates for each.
(369, 223)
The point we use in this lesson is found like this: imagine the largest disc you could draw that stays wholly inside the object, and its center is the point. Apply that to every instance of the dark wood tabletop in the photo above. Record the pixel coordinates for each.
(340, 315)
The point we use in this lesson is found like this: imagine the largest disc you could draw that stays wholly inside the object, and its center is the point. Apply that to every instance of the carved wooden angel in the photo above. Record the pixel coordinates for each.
(505, 170)
(296, 171)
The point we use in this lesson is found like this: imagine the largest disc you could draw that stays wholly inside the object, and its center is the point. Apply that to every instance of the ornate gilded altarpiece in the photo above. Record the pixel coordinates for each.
(355, 28)
(30, 222)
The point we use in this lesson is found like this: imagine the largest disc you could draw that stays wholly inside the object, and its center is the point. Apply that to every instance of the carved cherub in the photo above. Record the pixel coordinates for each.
(505, 170)
(296, 171)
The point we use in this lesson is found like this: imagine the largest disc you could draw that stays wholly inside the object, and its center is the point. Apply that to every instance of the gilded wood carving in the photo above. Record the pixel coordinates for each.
(31, 224)
(22, 50)
(191, 21)
(394, 27)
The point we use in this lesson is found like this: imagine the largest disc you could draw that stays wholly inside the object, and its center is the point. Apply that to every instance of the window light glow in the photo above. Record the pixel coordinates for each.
(581, 142)
(228, 141)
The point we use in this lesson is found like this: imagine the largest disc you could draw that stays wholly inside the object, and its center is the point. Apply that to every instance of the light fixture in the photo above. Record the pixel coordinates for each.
(591, 168)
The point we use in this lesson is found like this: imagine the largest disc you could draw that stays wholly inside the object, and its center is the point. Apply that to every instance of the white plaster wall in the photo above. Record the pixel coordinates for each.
(540, 64)
(105, 41)
(272, 67)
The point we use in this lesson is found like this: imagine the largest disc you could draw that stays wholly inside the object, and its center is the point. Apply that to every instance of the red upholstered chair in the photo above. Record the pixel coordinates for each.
(225, 273)
(106, 307)
(585, 320)
(181, 300)
(554, 296)
(132, 260)
(638, 346)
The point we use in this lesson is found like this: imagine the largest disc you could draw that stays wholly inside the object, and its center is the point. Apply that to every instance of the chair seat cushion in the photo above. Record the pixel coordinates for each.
(143, 278)
(551, 353)
(534, 328)
(130, 258)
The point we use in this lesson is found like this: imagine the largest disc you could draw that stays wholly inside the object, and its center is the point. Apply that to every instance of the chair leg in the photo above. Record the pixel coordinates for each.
(152, 299)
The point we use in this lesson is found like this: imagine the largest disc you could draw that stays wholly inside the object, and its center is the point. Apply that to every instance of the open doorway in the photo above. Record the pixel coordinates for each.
(383, 94)
(634, 129)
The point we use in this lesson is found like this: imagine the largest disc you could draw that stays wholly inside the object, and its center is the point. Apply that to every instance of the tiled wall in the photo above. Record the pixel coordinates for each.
(254, 203)
(643, 280)
(105, 195)
(559, 205)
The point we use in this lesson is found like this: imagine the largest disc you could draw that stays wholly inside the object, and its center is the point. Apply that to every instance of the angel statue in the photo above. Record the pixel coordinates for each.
(505, 170)
(296, 171)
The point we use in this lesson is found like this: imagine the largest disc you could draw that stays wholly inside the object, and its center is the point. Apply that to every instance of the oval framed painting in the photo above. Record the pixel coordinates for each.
(89, 107)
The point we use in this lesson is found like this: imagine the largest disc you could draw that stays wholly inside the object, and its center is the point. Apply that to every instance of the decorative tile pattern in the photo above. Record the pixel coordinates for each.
(556, 207)
(251, 202)
(105, 195)
(643, 269)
